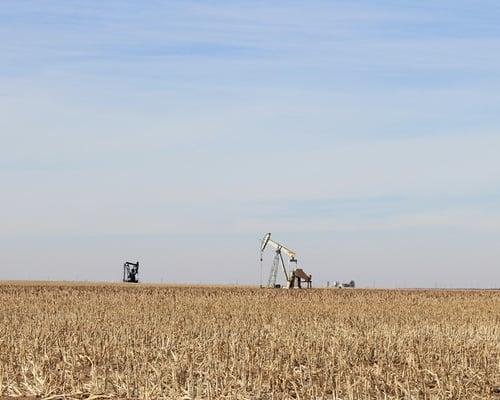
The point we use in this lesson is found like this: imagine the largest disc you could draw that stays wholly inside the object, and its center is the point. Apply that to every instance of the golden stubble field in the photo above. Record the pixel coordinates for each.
(153, 342)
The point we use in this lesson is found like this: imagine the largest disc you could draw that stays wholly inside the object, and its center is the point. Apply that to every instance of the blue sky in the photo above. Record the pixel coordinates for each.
(364, 135)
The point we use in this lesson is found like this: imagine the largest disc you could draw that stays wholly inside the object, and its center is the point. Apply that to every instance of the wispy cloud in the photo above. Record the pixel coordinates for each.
(227, 119)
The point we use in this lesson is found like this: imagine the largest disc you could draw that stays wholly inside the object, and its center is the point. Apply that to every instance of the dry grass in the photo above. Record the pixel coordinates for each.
(241, 343)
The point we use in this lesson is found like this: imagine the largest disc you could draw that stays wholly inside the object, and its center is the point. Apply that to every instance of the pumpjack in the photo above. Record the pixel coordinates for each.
(130, 272)
(294, 276)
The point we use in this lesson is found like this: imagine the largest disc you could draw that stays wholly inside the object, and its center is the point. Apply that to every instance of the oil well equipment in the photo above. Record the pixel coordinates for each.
(340, 285)
(294, 277)
(131, 272)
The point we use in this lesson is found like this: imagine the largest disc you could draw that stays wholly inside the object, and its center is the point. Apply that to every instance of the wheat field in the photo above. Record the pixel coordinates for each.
(158, 342)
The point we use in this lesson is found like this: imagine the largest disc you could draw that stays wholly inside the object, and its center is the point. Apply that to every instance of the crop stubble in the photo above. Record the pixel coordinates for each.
(152, 341)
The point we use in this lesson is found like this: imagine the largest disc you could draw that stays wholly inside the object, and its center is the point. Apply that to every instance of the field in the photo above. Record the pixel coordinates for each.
(152, 342)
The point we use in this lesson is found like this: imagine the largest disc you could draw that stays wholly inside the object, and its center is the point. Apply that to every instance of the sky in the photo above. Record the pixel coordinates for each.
(364, 135)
